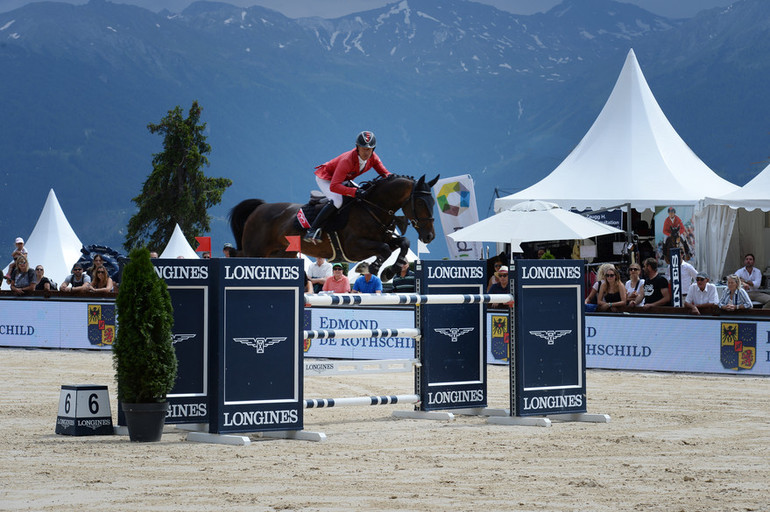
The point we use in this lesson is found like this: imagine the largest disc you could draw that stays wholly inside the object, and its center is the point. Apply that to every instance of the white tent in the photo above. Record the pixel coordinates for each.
(631, 154)
(53, 243)
(178, 246)
(533, 221)
(733, 225)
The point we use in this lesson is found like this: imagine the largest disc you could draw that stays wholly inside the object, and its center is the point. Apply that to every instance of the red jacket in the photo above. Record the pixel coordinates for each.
(345, 167)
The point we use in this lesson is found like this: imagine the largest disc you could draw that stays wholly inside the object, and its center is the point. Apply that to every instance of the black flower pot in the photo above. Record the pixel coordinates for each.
(145, 421)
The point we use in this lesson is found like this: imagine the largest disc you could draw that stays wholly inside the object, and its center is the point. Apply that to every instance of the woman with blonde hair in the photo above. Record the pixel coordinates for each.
(735, 297)
(590, 301)
(612, 293)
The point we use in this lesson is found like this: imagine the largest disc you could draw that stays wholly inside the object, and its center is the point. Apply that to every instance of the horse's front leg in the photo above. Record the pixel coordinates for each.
(397, 242)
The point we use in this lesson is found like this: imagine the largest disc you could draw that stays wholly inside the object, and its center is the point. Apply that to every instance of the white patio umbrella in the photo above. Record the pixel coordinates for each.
(532, 221)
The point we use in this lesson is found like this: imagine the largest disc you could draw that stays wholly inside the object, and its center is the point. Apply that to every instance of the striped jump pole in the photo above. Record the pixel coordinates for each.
(318, 403)
(396, 299)
(326, 334)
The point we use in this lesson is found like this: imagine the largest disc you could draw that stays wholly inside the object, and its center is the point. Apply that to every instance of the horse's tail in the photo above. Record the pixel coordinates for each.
(238, 216)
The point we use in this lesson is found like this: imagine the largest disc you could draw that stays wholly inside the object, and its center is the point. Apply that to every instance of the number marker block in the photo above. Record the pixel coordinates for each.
(84, 410)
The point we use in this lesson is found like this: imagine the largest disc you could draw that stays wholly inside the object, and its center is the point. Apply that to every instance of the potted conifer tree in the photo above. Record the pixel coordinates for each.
(143, 352)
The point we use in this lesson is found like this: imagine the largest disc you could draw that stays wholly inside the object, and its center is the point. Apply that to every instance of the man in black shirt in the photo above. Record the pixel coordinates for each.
(656, 292)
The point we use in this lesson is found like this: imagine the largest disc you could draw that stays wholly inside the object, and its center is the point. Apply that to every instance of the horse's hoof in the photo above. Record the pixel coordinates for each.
(388, 274)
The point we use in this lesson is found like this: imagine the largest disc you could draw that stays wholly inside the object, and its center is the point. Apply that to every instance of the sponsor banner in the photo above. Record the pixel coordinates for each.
(456, 202)
(453, 347)
(320, 318)
(256, 349)
(706, 345)
(57, 324)
(612, 218)
(188, 285)
(548, 376)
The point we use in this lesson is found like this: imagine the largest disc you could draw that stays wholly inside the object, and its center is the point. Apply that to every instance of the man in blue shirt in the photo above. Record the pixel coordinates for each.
(366, 282)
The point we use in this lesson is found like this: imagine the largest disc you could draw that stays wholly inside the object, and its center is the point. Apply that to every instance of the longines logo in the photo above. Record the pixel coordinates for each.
(550, 336)
(259, 343)
(182, 337)
(454, 332)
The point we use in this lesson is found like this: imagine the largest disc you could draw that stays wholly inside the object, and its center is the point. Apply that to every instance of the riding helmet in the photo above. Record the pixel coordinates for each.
(366, 140)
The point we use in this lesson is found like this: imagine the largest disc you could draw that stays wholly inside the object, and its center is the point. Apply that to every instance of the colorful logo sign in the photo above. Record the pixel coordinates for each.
(738, 346)
(501, 342)
(453, 198)
(101, 324)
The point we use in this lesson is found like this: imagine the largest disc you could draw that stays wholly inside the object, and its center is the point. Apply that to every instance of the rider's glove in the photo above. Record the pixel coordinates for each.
(360, 193)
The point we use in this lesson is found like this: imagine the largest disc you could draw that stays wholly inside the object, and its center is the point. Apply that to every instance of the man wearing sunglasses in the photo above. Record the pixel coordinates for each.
(701, 292)
(78, 281)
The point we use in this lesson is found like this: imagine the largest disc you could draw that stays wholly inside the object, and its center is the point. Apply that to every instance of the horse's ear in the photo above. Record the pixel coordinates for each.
(420, 182)
(433, 181)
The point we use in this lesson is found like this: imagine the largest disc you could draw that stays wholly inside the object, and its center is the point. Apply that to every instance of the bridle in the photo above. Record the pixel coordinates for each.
(420, 195)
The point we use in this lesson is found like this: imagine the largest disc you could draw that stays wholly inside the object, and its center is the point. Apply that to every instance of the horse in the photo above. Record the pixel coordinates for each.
(675, 239)
(260, 229)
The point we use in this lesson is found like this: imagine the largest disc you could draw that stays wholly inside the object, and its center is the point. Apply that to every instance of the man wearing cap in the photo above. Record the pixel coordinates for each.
(228, 250)
(338, 282)
(701, 292)
(77, 281)
(500, 286)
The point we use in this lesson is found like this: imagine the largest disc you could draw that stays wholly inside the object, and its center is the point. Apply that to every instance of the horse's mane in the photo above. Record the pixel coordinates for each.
(381, 180)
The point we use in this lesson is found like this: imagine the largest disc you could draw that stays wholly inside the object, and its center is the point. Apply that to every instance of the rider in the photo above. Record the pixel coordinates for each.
(347, 166)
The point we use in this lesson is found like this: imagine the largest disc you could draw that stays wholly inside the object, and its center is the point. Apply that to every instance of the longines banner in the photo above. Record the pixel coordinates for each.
(57, 324)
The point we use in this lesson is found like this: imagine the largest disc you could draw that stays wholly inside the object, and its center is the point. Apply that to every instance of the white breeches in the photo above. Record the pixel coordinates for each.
(333, 196)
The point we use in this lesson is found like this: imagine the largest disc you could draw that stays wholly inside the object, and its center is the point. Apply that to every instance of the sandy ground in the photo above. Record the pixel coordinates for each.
(675, 442)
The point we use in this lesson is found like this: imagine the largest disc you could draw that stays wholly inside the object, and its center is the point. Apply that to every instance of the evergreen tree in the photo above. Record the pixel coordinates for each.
(177, 191)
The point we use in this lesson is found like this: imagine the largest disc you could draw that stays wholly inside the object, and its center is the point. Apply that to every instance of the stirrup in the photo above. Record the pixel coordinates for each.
(314, 237)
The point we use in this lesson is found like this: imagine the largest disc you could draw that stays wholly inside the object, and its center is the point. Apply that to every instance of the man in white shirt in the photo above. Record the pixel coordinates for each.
(319, 273)
(701, 292)
(752, 279)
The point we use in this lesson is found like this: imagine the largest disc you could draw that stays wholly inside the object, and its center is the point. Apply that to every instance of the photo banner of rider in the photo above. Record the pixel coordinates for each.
(456, 202)
(674, 227)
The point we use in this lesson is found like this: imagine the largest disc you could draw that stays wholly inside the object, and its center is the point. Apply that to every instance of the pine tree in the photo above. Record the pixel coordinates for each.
(177, 191)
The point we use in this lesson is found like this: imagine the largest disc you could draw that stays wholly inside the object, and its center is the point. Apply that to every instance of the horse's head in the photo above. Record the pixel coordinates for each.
(419, 209)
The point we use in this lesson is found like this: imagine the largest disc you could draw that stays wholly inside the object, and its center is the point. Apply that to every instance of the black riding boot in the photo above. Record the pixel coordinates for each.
(314, 232)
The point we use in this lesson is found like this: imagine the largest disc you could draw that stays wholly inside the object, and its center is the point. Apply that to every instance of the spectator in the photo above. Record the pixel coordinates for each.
(493, 279)
(735, 297)
(153, 255)
(23, 277)
(228, 250)
(338, 282)
(687, 274)
(102, 282)
(77, 281)
(206, 255)
(96, 262)
(501, 286)
(752, 279)
(43, 283)
(591, 300)
(319, 272)
(19, 251)
(635, 286)
(403, 282)
(612, 294)
(656, 292)
(701, 292)
(366, 282)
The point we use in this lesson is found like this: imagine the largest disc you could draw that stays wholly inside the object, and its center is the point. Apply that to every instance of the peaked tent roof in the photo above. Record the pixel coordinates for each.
(53, 243)
(752, 196)
(632, 143)
(178, 246)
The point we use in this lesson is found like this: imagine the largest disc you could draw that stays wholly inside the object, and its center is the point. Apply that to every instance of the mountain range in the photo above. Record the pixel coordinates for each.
(450, 87)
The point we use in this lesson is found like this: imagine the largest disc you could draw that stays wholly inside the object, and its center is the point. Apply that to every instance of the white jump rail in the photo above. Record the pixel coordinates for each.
(395, 299)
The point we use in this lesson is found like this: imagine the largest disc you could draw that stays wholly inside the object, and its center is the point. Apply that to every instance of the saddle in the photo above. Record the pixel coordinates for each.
(308, 212)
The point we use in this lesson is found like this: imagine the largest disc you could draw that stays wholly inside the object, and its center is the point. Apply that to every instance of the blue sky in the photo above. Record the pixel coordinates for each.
(336, 8)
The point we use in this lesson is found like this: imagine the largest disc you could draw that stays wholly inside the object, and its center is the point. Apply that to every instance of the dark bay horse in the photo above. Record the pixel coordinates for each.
(260, 228)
